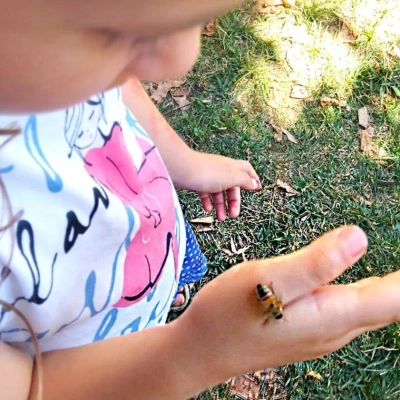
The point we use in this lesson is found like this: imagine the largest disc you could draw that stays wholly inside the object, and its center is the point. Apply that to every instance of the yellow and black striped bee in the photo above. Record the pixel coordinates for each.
(271, 304)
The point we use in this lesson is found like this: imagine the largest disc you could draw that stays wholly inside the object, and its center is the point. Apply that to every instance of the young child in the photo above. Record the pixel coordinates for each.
(101, 247)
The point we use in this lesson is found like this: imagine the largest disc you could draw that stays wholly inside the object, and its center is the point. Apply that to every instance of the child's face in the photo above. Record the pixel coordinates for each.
(54, 53)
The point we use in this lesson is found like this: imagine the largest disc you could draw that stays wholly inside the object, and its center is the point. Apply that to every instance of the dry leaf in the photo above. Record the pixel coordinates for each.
(204, 228)
(289, 190)
(160, 93)
(314, 375)
(327, 101)
(363, 117)
(228, 252)
(233, 247)
(180, 92)
(147, 86)
(244, 387)
(350, 25)
(175, 83)
(235, 251)
(278, 135)
(366, 141)
(209, 29)
(289, 3)
(264, 374)
(267, 6)
(242, 251)
(248, 154)
(258, 374)
(289, 136)
(299, 92)
(271, 3)
(377, 67)
(203, 220)
(346, 35)
(382, 153)
(183, 102)
(278, 132)
(364, 201)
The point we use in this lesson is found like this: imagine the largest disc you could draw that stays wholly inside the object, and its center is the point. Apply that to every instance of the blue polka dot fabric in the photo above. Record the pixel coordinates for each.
(194, 264)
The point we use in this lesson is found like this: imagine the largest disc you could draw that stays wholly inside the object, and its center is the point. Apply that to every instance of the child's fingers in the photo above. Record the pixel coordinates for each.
(331, 316)
(249, 170)
(239, 173)
(378, 301)
(317, 264)
(233, 199)
(219, 205)
(205, 201)
(245, 179)
(345, 311)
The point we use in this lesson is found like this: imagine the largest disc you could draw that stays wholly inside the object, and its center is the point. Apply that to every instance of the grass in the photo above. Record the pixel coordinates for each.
(241, 88)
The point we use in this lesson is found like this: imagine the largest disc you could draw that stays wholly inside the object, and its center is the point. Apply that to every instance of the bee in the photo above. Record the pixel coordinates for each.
(270, 303)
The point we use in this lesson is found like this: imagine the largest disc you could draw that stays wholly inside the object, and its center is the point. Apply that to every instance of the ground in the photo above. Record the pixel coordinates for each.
(283, 86)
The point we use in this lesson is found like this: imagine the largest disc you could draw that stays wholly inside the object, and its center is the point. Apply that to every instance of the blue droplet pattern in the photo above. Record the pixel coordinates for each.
(194, 264)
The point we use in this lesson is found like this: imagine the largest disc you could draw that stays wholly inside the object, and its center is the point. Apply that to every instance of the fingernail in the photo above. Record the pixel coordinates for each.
(354, 239)
(254, 183)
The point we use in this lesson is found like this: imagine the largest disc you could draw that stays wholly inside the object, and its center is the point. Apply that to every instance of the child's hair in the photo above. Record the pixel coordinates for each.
(10, 131)
(5, 269)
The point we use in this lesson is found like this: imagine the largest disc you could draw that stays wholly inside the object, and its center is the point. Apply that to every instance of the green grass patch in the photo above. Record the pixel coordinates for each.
(242, 85)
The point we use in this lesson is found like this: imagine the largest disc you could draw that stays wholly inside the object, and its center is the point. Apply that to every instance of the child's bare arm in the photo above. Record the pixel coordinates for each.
(15, 373)
(174, 151)
(143, 365)
(224, 331)
(210, 175)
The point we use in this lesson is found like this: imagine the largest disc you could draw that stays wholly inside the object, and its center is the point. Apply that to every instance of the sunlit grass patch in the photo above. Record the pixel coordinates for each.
(320, 48)
(373, 23)
(309, 56)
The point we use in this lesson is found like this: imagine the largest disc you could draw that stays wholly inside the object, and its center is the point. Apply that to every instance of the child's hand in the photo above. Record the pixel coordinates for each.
(220, 178)
(210, 175)
(226, 330)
